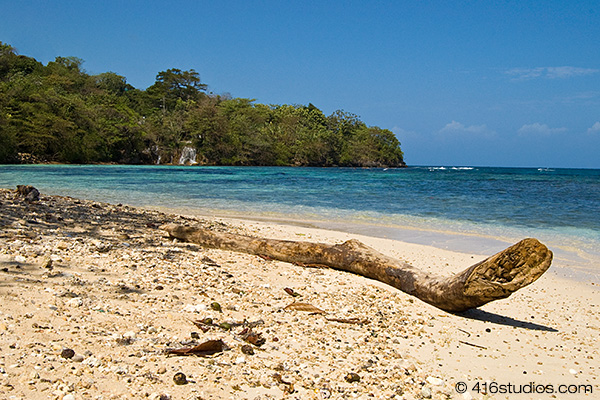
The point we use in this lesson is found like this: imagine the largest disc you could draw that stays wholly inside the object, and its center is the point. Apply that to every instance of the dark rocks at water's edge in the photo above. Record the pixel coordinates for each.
(28, 192)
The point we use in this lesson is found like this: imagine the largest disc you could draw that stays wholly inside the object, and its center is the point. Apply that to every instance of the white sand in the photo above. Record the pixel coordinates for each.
(120, 293)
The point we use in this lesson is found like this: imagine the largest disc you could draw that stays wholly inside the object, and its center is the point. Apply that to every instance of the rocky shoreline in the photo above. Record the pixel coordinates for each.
(98, 303)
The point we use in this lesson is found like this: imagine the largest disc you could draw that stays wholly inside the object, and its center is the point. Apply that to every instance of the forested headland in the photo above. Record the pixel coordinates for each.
(59, 113)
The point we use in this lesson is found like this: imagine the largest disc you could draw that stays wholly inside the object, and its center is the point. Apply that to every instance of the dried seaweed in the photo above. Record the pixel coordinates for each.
(207, 348)
(252, 337)
(291, 292)
(305, 307)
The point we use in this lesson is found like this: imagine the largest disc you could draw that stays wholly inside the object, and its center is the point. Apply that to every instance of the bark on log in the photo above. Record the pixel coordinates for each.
(496, 277)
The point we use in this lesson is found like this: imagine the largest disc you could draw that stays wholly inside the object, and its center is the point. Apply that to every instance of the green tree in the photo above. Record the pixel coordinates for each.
(174, 84)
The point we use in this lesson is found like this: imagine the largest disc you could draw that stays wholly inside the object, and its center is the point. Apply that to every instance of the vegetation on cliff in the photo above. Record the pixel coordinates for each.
(59, 113)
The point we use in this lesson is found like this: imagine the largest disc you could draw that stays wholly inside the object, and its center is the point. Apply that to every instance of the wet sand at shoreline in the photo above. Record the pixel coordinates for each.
(104, 281)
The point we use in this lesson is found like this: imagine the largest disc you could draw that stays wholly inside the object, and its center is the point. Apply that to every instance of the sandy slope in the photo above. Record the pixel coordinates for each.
(119, 293)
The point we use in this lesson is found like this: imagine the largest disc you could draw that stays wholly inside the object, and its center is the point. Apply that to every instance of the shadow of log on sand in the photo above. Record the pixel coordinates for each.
(486, 316)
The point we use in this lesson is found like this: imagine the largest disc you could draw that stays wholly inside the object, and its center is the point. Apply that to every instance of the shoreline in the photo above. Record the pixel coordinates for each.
(569, 264)
(119, 293)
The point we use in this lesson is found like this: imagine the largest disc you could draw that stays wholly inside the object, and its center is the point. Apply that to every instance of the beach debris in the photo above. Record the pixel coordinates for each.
(207, 323)
(352, 377)
(67, 353)
(225, 326)
(101, 247)
(496, 277)
(204, 324)
(291, 292)
(355, 320)
(288, 387)
(472, 345)
(252, 337)
(207, 348)
(216, 306)
(426, 392)
(434, 381)
(78, 358)
(247, 349)
(463, 331)
(74, 302)
(180, 378)
(298, 306)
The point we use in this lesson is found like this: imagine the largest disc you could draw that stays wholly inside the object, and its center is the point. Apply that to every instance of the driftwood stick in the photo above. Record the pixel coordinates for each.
(495, 278)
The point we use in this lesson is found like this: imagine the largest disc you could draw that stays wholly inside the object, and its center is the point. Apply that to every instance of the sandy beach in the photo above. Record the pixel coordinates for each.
(94, 295)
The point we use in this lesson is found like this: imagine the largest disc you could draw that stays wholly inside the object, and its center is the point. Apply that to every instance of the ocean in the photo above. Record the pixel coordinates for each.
(473, 209)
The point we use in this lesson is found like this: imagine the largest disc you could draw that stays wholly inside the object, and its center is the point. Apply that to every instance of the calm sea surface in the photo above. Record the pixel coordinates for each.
(476, 209)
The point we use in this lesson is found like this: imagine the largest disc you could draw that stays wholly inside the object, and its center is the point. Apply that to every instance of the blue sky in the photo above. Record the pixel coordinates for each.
(498, 83)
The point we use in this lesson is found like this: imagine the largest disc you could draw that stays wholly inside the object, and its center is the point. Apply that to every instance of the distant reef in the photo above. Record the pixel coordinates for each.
(59, 113)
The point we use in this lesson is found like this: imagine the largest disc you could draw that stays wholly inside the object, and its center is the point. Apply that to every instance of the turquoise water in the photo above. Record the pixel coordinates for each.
(443, 206)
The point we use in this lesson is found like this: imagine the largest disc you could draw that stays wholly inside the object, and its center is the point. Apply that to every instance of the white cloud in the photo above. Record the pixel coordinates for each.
(455, 127)
(595, 128)
(400, 133)
(550, 72)
(539, 129)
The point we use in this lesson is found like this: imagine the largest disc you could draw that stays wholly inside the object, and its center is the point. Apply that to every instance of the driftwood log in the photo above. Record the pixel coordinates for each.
(497, 277)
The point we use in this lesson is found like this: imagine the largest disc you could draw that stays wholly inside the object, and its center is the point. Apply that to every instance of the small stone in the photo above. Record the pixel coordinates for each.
(87, 383)
(160, 396)
(180, 378)
(67, 353)
(426, 392)
(247, 349)
(435, 381)
(161, 370)
(77, 358)
(47, 263)
(91, 361)
(352, 377)
(216, 306)
(101, 247)
(195, 335)
(151, 330)
(75, 302)
(573, 372)
(68, 397)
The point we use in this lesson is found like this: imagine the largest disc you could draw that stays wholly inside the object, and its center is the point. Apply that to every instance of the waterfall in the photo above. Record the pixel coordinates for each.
(188, 156)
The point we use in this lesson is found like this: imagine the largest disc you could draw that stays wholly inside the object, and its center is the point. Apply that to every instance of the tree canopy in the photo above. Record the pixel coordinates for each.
(59, 113)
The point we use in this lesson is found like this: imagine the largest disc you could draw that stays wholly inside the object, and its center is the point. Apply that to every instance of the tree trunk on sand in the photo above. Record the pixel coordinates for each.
(495, 278)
